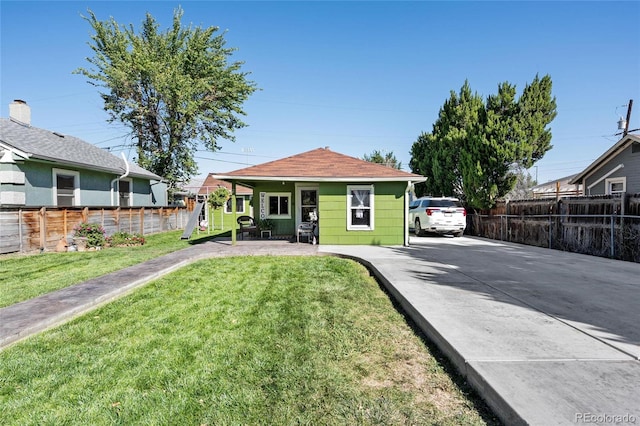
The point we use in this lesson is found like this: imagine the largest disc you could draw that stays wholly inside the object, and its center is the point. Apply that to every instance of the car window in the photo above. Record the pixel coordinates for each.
(425, 203)
(445, 203)
(414, 204)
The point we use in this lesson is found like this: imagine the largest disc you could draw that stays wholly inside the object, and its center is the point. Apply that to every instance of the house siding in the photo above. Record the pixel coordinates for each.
(95, 187)
(219, 219)
(281, 226)
(388, 215)
(631, 171)
(332, 213)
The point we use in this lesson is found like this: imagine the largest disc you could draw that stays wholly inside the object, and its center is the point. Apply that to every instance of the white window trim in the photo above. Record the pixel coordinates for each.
(76, 180)
(371, 225)
(299, 189)
(238, 197)
(277, 194)
(609, 181)
(130, 191)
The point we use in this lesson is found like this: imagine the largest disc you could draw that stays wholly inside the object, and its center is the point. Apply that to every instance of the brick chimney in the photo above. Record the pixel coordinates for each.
(20, 112)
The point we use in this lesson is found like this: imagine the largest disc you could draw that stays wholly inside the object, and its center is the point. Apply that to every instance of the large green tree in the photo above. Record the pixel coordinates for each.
(475, 146)
(174, 89)
(437, 155)
(386, 158)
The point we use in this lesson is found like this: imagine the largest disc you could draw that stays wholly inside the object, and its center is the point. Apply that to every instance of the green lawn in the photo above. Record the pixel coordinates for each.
(23, 277)
(229, 341)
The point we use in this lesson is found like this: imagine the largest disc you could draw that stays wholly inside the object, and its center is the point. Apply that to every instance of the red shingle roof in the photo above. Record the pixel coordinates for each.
(210, 184)
(324, 164)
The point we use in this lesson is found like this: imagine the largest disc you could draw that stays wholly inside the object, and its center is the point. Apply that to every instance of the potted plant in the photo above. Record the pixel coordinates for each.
(88, 235)
(266, 225)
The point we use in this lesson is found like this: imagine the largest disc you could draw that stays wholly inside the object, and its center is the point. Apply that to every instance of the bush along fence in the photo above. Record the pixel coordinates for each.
(606, 226)
(33, 229)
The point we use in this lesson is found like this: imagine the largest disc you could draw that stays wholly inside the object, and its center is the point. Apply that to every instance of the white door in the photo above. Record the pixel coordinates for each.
(307, 202)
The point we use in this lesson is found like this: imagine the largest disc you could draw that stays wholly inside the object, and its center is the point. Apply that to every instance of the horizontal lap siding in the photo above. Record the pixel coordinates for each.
(388, 215)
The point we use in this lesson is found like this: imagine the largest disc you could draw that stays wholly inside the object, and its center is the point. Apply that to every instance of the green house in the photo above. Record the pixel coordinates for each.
(223, 218)
(352, 201)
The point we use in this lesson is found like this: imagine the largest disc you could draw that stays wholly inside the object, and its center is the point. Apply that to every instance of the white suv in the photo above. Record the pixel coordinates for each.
(442, 215)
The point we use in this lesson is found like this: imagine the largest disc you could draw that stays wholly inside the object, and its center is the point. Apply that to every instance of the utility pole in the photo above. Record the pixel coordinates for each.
(626, 130)
(626, 125)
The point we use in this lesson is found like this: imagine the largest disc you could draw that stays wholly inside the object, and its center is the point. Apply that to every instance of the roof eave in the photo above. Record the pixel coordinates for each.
(85, 166)
(608, 155)
(320, 179)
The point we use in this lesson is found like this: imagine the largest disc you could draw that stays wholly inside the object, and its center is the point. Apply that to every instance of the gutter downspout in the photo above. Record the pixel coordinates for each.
(406, 213)
(126, 173)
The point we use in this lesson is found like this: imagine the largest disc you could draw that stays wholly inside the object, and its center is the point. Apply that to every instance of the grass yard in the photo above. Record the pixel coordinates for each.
(23, 277)
(228, 341)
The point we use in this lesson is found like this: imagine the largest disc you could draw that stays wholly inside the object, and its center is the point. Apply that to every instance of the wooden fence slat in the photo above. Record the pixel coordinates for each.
(24, 229)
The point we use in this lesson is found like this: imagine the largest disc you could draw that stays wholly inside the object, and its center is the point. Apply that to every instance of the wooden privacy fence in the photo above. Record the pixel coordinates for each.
(31, 229)
(607, 226)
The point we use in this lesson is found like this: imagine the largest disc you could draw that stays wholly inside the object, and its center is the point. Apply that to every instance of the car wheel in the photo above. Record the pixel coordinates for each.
(417, 229)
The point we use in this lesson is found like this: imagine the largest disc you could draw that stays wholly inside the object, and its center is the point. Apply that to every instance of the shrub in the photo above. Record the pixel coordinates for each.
(125, 239)
(94, 233)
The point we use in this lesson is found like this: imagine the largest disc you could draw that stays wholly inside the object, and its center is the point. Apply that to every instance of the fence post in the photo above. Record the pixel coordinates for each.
(612, 237)
(43, 227)
(141, 213)
(550, 232)
(20, 230)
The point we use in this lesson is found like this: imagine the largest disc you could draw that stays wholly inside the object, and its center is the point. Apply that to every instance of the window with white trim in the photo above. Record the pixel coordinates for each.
(239, 204)
(278, 205)
(360, 209)
(66, 188)
(125, 192)
(615, 185)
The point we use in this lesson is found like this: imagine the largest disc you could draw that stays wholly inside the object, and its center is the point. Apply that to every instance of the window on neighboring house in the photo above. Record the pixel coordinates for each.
(66, 192)
(360, 211)
(615, 185)
(239, 204)
(278, 205)
(124, 190)
(635, 148)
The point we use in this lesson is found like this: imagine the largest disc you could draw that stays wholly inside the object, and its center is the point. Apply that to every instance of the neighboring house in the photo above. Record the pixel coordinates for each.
(615, 172)
(40, 168)
(223, 216)
(557, 188)
(356, 202)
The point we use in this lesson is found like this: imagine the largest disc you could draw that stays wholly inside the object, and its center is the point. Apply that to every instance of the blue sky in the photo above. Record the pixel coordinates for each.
(354, 76)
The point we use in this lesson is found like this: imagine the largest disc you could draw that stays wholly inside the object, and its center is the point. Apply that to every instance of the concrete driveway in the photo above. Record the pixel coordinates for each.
(546, 337)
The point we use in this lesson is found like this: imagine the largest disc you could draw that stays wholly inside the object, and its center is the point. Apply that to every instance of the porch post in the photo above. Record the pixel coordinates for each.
(406, 214)
(233, 212)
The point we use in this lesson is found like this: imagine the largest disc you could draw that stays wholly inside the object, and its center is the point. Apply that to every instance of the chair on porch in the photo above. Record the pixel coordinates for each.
(248, 225)
(305, 229)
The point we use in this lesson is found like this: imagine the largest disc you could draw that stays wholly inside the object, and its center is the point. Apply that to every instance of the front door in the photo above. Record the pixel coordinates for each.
(307, 197)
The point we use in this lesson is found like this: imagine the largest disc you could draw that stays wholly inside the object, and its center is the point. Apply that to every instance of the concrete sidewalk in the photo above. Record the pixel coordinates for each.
(546, 337)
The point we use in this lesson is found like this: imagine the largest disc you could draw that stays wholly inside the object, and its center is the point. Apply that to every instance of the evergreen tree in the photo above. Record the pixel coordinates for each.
(476, 148)
(388, 159)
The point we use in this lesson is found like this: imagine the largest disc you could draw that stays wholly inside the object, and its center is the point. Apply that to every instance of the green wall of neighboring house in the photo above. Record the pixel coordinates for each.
(219, 219)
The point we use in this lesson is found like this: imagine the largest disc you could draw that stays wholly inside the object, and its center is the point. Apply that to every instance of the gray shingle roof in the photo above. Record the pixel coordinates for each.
(46, 145)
